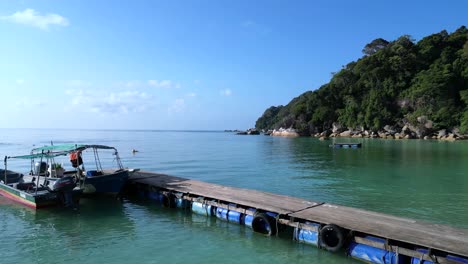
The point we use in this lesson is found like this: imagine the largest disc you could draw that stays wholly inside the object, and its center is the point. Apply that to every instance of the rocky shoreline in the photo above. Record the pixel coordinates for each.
(442, 135)
(422, 131)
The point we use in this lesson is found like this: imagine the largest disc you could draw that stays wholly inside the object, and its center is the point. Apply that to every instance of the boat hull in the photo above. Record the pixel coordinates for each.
(109, 183)
(44, 199)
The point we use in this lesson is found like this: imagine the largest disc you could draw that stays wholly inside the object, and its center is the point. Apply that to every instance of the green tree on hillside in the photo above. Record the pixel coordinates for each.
(392, 84)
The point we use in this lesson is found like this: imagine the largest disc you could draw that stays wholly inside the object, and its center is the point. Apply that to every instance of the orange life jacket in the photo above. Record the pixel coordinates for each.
(75, 159)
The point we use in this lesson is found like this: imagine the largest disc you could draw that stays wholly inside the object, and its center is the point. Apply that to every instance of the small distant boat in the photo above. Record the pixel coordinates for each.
(346, 145)
(37, 190)
(95, 180)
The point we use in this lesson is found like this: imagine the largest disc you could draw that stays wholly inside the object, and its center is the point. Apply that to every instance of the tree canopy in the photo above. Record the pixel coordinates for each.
(394, 83)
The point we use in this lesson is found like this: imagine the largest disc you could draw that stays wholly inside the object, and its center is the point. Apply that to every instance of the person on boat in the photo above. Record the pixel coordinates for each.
(75, 159)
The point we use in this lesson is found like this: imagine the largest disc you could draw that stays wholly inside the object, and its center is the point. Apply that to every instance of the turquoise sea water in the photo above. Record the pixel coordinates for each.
(425, 180)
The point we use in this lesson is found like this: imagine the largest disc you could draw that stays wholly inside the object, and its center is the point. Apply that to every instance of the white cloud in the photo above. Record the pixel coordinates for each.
(110, 102)
(191, 95)
(31, 17)
(20, 82)
(225, 92)
(167, 84)
(178, 106)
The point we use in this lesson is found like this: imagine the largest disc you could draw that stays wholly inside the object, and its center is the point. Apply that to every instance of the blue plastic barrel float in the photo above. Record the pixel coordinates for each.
(202, 208)
(229, 215)
(180, 202)
(373, 255)
(154, 195)
(415, 260)
(249, 218)
(166, 199)
(305, 235)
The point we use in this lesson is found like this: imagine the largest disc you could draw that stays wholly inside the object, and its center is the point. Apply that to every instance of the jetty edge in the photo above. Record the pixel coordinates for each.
(329, 226)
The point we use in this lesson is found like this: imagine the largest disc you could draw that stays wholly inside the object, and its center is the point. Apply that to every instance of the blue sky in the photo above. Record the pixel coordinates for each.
(201, 65)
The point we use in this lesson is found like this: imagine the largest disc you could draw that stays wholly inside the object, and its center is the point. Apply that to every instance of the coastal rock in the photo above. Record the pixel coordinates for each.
(428, 124)
(381, 134)
(420, 131)
(389, 129)
(426, 137)
(450, 137)
(441, 133)
(290, 132)
(345, 133)
(456, 132)
(423, 128)
(327, 133)
(337, 128)
(250, 131)
(253, 131)
(405, 130)
(422, 119)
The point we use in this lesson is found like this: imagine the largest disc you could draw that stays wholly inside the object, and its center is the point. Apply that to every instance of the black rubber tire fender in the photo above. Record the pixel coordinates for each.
(264, 224)
(331, 237)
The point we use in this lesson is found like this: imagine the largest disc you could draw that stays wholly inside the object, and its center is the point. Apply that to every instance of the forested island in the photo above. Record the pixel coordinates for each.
(399, 88)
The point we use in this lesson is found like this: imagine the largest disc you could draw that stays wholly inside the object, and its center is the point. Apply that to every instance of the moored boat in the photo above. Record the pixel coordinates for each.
(86, 161)
(346, 145)
(37, 190)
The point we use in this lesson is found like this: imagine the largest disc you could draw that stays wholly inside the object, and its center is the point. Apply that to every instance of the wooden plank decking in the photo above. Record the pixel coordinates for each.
(441, 237)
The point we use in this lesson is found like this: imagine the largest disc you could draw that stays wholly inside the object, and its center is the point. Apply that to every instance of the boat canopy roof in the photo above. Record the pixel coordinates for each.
(40, 155)
(53, 151)
(69, 148)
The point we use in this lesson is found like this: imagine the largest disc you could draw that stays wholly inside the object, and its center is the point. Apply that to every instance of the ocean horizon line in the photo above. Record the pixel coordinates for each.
(123, 129)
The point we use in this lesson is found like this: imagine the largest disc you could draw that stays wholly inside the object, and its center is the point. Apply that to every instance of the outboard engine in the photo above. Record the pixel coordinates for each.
(41, 168)
(65, 186)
